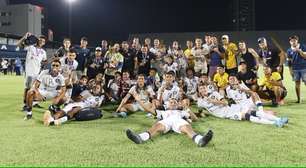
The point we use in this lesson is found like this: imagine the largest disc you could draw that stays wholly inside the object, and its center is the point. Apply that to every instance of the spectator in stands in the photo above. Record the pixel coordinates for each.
(249, 56)
(18, 66)
(95, 64)
(129, 58)
(4, 65)
(188, 54)
(297, 63)
(271, 87)
(144, 59)
(113, 62)
(216, 56)
(231, 63)
(83, 53)
(271, 56)
(63, 50)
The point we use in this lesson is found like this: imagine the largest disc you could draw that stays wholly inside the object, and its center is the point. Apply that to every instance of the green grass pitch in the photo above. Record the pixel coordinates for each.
(103, 142)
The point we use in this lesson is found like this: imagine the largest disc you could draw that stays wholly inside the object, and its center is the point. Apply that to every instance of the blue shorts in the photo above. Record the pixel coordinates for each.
(299, 74)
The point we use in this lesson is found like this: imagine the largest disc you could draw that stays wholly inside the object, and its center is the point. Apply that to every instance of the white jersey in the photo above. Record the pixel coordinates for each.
(94, 101)
(173, 67)
(164, 114)
(236, 94)
(34, 58)
(173, 92)
(144, 94)
(192, 84)
(68, 66)
(50, 83)
(216, 110)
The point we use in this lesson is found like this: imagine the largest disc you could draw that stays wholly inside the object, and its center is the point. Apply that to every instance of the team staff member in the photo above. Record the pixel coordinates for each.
(297, 63)
(271, 57)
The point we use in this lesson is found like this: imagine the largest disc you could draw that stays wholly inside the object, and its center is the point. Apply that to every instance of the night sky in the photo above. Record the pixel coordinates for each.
(115, 19)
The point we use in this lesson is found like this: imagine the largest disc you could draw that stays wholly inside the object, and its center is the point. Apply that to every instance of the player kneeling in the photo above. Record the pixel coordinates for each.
(92, 100)
(171, 119)
(215, 104)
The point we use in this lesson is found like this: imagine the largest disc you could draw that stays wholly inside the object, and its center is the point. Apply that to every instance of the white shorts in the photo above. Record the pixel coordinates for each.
(173, 123)
(47, 94)
(137, 107)
(29, 80)
(235, 112)
(70, 106)
(248, 103)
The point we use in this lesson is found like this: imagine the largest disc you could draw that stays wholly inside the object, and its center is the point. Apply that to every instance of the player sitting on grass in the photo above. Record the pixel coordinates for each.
(171, 119)
(50, 84)
(92, 99)
(216, 105)
(145, 93)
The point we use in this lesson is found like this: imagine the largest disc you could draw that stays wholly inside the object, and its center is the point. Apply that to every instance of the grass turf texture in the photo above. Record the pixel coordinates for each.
(103, 142)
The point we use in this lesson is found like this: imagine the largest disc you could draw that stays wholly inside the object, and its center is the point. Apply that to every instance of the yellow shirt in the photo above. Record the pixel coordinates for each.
(189, 56)
(230, 57)
(221, 80)
(265, 81)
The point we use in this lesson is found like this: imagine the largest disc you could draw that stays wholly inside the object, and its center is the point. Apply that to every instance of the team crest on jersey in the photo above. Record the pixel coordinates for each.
(57, 80)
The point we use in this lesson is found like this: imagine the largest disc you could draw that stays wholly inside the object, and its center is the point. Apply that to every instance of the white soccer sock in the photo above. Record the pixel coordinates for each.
(62, 120)
(259, 106)
(144, 136)
(197, 138)
(266, 116)
(260, 120)
(29, 112)
(51, 119)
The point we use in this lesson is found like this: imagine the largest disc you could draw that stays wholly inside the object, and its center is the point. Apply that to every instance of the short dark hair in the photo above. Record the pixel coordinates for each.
(84, 38)
(140, 75)
(294, 37)
(153, 69)
(83, 76)
(170, 73)
(56, 60)
(221, 66)
(72, 50)
(43, 37)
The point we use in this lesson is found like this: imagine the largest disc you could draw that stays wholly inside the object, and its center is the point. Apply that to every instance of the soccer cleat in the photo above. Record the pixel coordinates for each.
(122, 114)
(285, 120)
(46, 118)
(279, 123)
(27, 117)
(149, 115)
(206, 138)
(37, 106)
(133, 136)
(25, 108)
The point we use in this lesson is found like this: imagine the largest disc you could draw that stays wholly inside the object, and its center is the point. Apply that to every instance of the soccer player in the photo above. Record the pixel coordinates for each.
(171, 119)
(200, 57)
(144, 92)
(216, 105)
(297, 64)
(50, 84)
(191, 82)
(93, 99)
(35, 58)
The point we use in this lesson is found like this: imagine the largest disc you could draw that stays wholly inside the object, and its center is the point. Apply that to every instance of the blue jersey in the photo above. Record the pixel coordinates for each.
(297, 61)
(82, 54)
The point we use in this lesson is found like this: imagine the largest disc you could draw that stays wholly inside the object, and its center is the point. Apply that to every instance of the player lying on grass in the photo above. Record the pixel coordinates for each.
(216, 105)
(140, 89)
(50, 84)
(239, 93)
(170, 119)
(93, 99)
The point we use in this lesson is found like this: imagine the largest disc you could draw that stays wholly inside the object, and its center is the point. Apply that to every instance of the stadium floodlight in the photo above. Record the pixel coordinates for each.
(70, 1)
